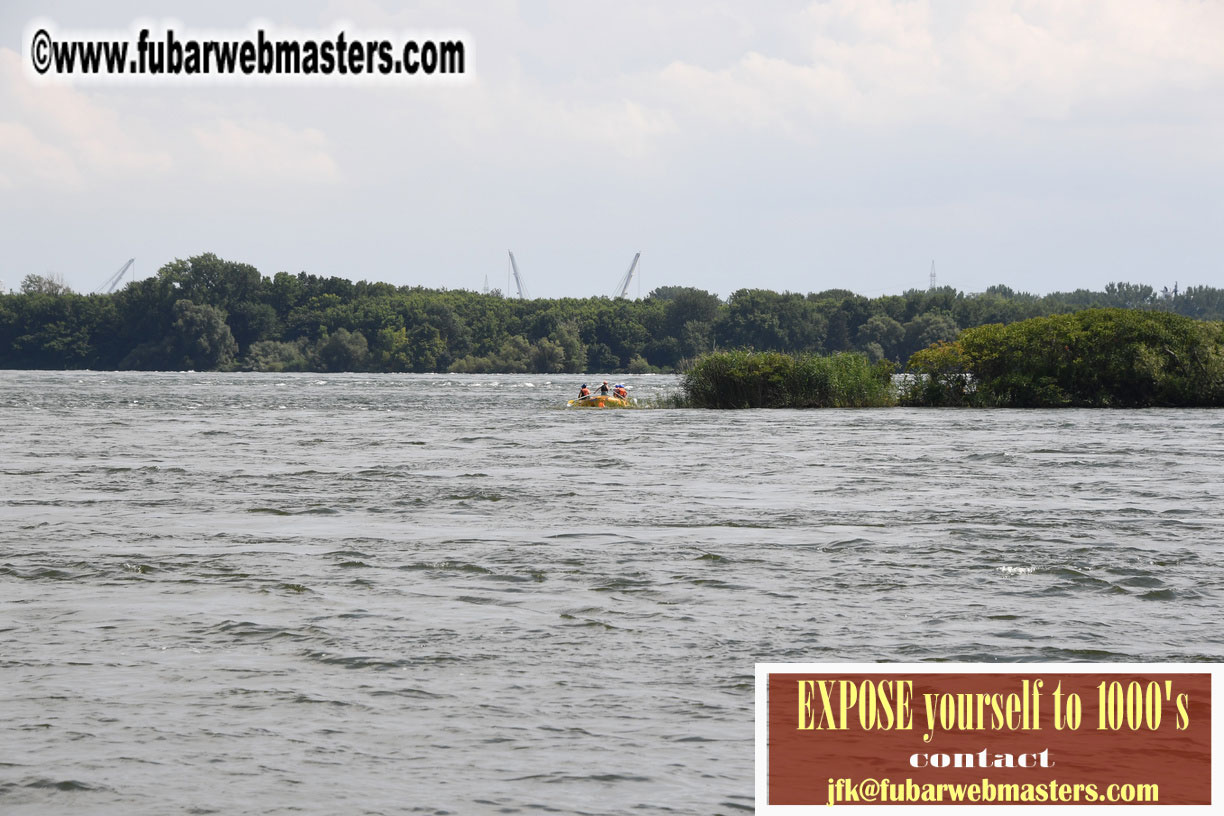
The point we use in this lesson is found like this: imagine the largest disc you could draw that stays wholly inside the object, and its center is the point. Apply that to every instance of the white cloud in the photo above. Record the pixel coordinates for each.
(265, 152)
(587, 130)
(876, 62)
(586, 127)
(25, 159)
(59, 136)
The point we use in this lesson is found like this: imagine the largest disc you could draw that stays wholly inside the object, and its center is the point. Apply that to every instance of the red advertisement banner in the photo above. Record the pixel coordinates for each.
(1016, 737)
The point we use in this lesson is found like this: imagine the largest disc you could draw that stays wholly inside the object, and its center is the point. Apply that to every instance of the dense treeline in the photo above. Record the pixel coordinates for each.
(208, 313)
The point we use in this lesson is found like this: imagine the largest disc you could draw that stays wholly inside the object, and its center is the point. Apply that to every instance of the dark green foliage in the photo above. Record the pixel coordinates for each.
(55, 331)
(272, 355)
(928, 328)
(513, 357)
(843, 313)
(937, 376)
(44, 285)
(197, 338)
(343, 351)
(1097, 358)
(884, 332)
(746, 379)
(200, 337)
(1201, 303)
(294, 321)
(688, 324)
(761, 319)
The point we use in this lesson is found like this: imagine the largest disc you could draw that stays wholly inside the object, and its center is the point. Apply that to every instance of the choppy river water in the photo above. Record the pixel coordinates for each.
(318, 594)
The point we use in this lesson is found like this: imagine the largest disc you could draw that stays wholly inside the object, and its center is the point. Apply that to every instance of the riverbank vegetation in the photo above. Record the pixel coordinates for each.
(206, 313)
(743, 379)
(1096, 358)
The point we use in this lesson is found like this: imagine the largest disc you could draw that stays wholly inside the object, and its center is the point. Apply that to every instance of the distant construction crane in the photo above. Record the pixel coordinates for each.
(518, 279)
(622, 288)
(113, 280)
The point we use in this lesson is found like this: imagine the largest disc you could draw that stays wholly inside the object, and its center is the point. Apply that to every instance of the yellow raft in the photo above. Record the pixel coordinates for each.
(600, 401)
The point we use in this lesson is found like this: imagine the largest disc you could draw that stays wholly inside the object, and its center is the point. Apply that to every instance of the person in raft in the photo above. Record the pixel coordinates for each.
(603, 389)
(584, 391)
(621, 391)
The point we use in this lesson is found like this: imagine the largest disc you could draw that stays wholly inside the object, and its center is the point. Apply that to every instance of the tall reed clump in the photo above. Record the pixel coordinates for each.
(769, 379)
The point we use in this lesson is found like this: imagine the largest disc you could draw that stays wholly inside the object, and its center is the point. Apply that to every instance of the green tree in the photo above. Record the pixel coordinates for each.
(200, 337)
(761, 319)
(1128, 295)
(44, 285)
(343, 350)
(273, 355)
(1098, 358)
(209, 280)
(938, 376)
(573, 350)
(883, 331)
(547, 357)
(928, 328)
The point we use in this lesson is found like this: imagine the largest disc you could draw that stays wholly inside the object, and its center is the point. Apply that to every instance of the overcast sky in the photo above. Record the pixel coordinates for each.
(1042, 144)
